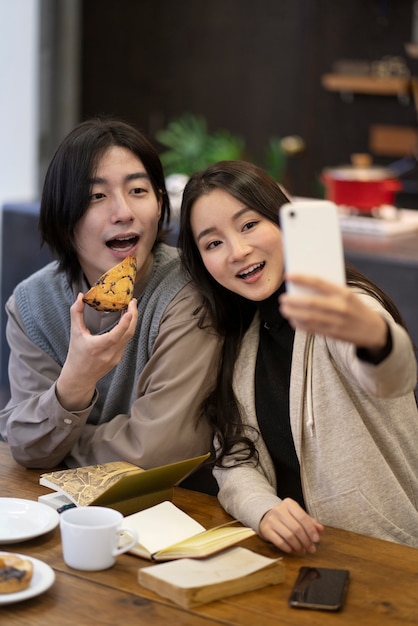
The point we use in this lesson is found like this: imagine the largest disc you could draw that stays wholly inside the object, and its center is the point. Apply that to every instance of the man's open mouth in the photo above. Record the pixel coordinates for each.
(123, 243)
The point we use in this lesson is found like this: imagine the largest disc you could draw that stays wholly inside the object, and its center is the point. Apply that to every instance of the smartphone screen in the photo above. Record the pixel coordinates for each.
(319, 588)
(312, 241)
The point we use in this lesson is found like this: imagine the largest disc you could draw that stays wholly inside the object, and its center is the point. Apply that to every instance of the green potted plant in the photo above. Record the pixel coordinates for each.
(189, 147)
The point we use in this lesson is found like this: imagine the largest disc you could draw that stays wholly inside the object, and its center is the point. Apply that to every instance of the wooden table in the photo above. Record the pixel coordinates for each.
(383, 589)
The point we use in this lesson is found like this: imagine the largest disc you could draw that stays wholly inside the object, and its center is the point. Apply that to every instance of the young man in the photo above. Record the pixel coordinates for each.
(90, 387)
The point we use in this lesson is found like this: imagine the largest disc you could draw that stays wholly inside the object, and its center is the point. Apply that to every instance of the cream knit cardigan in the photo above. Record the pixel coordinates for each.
(355, 427)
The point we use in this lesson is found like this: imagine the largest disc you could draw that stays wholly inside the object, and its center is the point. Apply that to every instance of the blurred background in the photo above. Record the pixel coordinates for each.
(257, 70)
(293, 85)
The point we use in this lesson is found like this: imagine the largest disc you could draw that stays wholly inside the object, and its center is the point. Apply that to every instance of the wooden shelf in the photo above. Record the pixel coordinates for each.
(366, 84)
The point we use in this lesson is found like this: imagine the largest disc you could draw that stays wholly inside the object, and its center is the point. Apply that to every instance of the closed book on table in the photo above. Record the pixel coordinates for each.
(190, 582)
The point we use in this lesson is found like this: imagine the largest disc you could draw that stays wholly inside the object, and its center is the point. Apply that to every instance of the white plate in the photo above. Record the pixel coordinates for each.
(42, 579)
(24, 519)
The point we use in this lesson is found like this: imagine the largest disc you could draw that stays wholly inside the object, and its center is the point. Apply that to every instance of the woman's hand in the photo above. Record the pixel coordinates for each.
(290, 528)
(334, 311)
(90, 357)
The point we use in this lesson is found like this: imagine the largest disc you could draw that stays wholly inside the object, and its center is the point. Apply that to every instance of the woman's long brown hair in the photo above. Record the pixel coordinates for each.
(229, 313)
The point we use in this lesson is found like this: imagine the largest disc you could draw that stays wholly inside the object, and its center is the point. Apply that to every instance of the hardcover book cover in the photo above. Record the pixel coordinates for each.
(118, 485)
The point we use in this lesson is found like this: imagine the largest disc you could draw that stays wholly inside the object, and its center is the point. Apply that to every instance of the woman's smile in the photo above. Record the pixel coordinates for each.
(252, 272)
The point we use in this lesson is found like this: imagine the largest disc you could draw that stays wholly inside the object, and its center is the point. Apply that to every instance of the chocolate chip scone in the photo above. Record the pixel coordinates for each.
(114, 289)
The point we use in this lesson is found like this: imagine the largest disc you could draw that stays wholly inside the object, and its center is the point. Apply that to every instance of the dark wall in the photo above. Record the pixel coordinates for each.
(251, 67)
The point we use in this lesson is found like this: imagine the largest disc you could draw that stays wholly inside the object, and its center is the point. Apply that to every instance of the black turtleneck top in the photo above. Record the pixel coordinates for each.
(272, 382)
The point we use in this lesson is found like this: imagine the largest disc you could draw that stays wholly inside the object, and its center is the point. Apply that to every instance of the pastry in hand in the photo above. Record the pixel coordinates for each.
(114, 289)
(15, 573)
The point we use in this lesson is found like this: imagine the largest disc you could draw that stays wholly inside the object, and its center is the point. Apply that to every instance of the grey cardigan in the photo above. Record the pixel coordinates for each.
(355, 427)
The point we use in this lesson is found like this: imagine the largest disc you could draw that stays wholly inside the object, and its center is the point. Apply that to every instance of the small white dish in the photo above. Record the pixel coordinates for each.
(24, 519)
(43, 578)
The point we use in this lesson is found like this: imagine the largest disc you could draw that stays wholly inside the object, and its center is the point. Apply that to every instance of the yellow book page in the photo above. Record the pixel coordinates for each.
(207, 542)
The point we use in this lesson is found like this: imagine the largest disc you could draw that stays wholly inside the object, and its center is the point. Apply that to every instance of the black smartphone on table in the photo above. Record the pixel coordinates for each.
(319, 588)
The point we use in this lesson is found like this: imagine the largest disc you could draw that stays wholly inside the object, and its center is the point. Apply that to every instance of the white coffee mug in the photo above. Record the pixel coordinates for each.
(90, 537)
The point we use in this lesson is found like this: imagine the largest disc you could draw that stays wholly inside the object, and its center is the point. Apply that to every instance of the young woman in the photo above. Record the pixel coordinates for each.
(314, 409)
(89, 386)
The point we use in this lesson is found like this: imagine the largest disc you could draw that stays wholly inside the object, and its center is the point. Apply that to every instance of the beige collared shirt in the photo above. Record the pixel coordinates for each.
(163, 425)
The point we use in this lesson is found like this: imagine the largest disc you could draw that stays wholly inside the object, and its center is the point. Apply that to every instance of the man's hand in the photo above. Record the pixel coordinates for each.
(90, 357)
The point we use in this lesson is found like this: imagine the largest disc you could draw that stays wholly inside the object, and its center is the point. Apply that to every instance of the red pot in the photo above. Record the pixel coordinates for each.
(362, 188)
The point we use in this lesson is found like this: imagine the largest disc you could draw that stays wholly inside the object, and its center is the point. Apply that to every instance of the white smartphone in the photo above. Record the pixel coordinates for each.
(312, 241)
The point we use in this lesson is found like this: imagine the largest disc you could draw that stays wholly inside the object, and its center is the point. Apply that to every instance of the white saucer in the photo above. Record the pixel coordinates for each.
(24, 519)
(42, 579)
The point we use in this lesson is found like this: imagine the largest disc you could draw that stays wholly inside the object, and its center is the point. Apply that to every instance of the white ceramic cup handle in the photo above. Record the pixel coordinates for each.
(126, 546)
